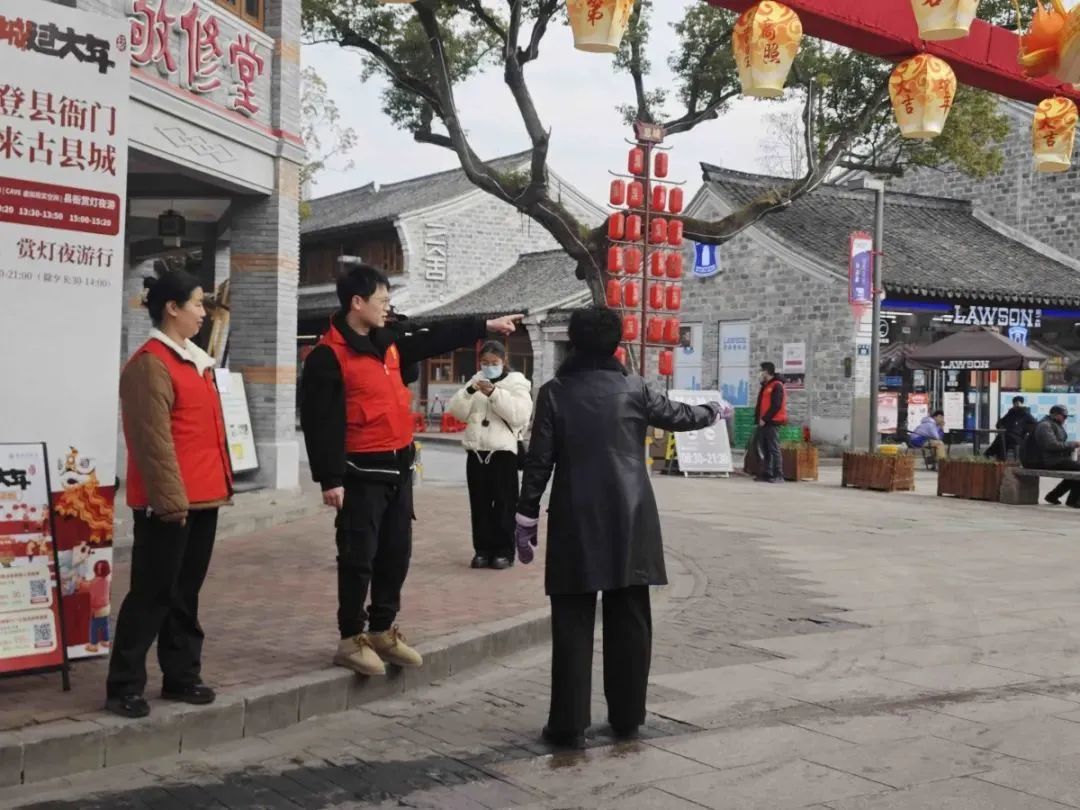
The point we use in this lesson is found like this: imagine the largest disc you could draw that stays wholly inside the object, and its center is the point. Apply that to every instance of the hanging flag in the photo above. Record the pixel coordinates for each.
(706, 260)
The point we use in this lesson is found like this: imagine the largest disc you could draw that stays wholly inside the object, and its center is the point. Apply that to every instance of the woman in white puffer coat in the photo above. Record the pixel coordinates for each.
(496, 407)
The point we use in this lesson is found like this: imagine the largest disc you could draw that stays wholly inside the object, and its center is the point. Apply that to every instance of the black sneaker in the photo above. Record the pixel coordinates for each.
(501, 563)
(480, 561)
(563, 739)
(623, 733)
(129, 706)
(197, 694)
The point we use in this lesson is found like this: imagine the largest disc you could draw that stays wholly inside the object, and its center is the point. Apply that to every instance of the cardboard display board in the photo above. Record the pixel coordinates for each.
(703, 451)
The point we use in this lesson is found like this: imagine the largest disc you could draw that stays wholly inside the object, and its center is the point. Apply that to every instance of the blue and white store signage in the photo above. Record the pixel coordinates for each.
(706, 261)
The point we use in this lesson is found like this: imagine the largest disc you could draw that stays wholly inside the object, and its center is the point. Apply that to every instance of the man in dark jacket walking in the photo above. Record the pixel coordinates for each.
(771, 416)
(603, 527)
(356, 413)
(1048, 448)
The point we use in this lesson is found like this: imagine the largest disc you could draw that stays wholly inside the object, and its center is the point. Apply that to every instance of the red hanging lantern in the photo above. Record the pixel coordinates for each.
(631, 328)
(614, 260)
(667, 363)
(671, 331)
(614, 294)
(635, 162)
(633, 228)
(616, 227)
(673, 298)
(620, 355)
(618, 192)
(675, 232)
(635, 195)
(658, 231)
(661, 164)
(656, 296)
(674, 265)
(632, 261)
(656, 264)
(675, 201)
(655, 331)
(631, 294)
(659, 199)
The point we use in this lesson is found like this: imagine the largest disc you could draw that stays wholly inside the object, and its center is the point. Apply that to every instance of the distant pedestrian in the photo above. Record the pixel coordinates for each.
(771, 416)
(495, 407)
(603, 527)
(1048, 448)
(179, 473)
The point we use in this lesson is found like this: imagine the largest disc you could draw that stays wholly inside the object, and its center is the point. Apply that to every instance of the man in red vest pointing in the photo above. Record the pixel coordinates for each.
(356, 414)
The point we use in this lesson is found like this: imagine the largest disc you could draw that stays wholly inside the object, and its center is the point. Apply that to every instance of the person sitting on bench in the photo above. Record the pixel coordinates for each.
(1048, 448)
(930, 433)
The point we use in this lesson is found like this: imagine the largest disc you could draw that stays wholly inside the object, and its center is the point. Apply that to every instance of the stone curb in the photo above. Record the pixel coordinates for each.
(101, 740)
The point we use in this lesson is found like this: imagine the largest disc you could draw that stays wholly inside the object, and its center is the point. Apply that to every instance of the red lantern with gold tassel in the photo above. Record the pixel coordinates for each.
(616, 227)
(635, 195)
(658, 231)
(656, 265)
(675, 232)
(656, 296)
(659, 199)
(633, 228)
(661, 164)
(667, 363)
(673, 298)
(635, 162)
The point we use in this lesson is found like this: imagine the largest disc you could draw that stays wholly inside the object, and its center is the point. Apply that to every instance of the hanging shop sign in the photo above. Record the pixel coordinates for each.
(63, 179)
(997, 316)
(706, 261)
(861, 269)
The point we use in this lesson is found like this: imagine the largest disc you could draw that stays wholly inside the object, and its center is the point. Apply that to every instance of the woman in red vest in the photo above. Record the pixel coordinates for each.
(178, 475)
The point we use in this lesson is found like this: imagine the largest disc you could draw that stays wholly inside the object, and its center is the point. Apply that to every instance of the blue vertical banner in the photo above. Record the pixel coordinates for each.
(861, 269)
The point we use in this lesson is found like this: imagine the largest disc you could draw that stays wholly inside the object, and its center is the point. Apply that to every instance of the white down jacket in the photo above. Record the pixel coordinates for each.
(506, 413)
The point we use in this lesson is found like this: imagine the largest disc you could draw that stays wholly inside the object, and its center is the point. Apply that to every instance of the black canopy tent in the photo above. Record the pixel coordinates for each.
(975, 350)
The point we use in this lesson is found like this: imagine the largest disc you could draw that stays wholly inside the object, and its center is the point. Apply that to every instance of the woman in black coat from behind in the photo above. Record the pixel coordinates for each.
(603, 527)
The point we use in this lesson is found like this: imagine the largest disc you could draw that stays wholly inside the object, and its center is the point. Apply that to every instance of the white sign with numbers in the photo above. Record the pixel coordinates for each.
(703, 451)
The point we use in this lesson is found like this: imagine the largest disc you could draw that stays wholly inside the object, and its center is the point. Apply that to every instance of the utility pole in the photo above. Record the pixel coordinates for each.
(878, 187)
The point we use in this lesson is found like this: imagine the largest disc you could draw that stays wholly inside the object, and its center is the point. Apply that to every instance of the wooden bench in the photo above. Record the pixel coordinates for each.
(1020, 487)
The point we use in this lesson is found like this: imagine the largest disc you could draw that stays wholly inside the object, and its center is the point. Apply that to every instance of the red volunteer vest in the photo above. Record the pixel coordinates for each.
(766, 402)
(378, 405)
(198, 432)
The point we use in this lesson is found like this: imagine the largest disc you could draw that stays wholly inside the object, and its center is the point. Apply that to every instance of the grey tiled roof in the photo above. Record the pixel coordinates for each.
(536, 282)
(933, 246)
(368, 206)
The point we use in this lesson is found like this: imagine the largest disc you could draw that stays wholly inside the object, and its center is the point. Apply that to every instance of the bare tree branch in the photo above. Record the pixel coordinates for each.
(544, 14)
(637, 70)
(695, 117)
(716, 233)
(476, 8)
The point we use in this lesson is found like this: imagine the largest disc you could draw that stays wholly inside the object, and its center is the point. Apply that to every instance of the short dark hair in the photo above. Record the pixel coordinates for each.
(171, 285)
(362, 280)
(493, 347)
(596, 330)
(769, 368)
(936, 414)
(1018, 400)
(1059, 410)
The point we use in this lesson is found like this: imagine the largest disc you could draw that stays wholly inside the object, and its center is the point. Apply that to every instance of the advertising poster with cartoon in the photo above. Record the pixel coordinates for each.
(63, 177)
(30, 631)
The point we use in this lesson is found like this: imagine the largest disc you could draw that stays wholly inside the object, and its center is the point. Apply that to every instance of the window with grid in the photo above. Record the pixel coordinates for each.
(252, 11)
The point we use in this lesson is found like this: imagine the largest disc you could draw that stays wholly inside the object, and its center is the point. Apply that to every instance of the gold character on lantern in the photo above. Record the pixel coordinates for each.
(1054, 134)
(765, 42)
(922, 90)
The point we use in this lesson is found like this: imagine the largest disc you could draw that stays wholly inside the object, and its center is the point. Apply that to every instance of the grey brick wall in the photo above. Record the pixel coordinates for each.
(1038, 204)
(783, 305)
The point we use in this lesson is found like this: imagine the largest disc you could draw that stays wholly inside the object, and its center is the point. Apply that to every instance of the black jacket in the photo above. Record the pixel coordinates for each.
(322, 392)
(589, 428)
(1017, 422)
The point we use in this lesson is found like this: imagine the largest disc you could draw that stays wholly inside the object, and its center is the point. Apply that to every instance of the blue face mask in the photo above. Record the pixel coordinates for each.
(492, 372)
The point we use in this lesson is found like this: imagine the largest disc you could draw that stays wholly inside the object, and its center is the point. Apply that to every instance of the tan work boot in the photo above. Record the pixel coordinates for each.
(357, 654)
(392, 648)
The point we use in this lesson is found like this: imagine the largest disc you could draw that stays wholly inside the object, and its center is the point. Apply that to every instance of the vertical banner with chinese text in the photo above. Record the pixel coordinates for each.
(64, 78)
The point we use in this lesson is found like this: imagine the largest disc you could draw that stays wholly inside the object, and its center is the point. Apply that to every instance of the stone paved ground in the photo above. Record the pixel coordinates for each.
(838, 649)
(269, 606)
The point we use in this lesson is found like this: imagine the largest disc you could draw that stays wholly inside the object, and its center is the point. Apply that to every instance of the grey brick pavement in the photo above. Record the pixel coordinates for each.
(837, 649)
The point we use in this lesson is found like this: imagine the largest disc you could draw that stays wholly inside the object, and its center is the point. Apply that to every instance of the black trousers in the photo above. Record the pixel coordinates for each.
(772, 461)
(493, 495)
(1070, 488)
(627, 656)
(374, 545)
(168, 568)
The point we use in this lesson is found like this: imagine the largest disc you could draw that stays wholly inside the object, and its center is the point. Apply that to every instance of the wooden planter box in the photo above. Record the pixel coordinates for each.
(882, 473)
(800, 463)
(974, 480)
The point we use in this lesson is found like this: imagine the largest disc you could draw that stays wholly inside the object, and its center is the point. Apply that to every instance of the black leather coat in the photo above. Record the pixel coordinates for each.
(589, 428)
